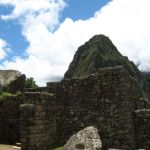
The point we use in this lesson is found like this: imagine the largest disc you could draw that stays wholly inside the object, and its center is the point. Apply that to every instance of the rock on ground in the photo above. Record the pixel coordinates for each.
(86, 139)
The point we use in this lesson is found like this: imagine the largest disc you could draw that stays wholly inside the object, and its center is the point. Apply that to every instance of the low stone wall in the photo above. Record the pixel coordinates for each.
(38, 89)
(9, 120)
(143, 128)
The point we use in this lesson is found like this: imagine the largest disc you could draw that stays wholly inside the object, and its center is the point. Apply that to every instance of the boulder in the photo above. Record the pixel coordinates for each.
(12, 81)
(7, 76)
(86, 139)
(17, 85)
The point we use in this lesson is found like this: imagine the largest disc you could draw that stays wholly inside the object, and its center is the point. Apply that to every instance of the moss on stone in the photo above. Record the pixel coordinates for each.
(50, 94)
(4, 95)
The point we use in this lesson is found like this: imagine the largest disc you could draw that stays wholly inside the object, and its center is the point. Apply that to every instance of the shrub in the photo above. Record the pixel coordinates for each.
(30, 83)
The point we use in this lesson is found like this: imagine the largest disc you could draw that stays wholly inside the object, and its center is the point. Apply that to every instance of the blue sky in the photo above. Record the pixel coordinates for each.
(10, 31)
(75, 9)
(39, 38)
(82, 9)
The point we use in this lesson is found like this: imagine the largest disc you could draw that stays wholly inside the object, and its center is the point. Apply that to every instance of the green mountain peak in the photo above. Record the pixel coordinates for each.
(100, 52)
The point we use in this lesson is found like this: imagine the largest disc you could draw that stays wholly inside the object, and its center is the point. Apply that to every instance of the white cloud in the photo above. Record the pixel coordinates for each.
(4, 49)
(38, 20)
(126, 22)
(38, 10)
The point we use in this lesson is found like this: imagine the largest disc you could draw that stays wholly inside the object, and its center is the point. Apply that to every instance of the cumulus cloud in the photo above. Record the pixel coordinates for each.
(52, 44)
(4, 49)
(38, 20)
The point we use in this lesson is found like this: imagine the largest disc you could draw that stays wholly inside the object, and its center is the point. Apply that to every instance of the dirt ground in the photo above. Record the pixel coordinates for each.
(6, 147)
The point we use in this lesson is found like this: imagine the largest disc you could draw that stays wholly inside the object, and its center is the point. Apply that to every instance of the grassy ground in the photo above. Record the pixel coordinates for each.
(59, 148)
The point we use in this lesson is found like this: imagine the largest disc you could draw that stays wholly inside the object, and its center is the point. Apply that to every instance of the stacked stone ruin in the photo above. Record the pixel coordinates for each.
(109, 100)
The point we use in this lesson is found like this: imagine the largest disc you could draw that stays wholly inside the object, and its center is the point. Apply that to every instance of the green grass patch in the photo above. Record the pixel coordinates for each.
(58, 148)
(3, 95)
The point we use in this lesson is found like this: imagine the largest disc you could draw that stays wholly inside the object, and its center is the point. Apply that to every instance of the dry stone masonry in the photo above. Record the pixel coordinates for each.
(38, 121)
(9, 120)
(109, 100)
(143, 128)
(106, 100)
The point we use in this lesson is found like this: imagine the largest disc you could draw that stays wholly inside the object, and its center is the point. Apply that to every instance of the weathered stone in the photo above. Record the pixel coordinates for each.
(89, 102)
(11, 81)
(86, 139)
(9, 120)
(142, 121)
(7, 76)
(17, 85)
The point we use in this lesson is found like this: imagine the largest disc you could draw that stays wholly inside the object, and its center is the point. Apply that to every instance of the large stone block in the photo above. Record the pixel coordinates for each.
(86, 139)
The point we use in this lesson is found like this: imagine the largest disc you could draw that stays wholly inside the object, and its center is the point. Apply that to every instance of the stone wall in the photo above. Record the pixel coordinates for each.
(106, 100)
(109, 100)
(143, 128)
(38, 125)
(9, 120)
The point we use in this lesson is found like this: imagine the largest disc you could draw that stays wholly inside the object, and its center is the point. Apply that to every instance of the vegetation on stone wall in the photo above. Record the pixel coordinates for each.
(3, 95)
